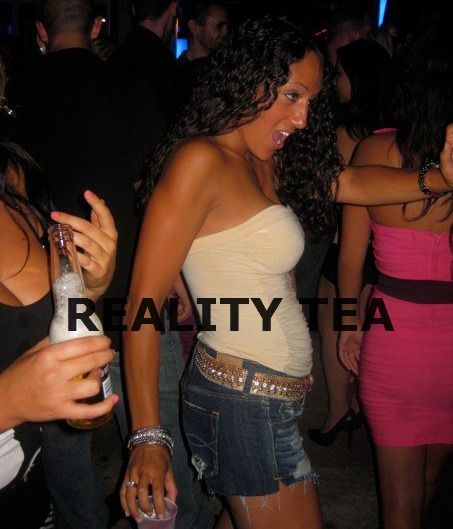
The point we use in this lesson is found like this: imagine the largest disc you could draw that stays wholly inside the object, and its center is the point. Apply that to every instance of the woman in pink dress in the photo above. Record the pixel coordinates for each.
(406, 373)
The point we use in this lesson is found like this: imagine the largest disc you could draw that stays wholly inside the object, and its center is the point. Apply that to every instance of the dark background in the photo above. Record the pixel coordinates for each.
(16, 16)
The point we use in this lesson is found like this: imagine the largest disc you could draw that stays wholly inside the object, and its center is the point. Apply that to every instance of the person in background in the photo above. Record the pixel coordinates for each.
(348, 23)
(145, 53)
(405, 372)
(207, 23)
(364, 85)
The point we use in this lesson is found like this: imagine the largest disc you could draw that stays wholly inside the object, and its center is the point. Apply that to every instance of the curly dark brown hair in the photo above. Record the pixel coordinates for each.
(424, 102)
(257, 57)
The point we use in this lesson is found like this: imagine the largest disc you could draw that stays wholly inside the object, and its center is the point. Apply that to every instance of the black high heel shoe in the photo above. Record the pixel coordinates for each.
(349, 422)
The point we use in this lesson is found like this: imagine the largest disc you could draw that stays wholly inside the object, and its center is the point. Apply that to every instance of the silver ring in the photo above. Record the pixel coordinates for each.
(131, 484)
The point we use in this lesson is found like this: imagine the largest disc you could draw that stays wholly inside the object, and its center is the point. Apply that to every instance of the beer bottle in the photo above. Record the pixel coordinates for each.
(68, 284)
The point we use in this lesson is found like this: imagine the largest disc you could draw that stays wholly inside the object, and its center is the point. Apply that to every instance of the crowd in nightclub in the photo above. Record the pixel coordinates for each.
(218, 202)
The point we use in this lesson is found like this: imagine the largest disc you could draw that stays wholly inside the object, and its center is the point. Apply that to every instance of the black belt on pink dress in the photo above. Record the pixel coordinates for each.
(416, 290)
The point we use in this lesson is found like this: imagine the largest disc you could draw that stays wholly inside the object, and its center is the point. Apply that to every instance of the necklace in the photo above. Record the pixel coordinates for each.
(40, 238)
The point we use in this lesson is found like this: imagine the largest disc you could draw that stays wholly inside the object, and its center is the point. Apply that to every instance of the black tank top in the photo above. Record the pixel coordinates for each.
(24, 502)
(22, 327)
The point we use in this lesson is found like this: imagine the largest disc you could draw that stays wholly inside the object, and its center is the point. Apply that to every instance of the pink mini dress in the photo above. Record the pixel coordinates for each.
(406, 375)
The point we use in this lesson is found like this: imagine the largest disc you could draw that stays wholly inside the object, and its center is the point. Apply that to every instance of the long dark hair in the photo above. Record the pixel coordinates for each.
(37, 201)
(368, 67)
(34, 208)
(425, 97)
(257, 56)
(425, 101)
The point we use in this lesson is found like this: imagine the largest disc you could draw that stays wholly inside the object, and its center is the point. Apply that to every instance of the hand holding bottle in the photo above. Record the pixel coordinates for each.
(98, 240)
(40, 386)
(68, 291)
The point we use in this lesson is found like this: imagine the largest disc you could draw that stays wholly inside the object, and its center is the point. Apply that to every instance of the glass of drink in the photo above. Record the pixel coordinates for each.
(151, 521)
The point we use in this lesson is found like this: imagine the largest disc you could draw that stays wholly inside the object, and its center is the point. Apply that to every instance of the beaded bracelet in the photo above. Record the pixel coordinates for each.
(153, 435)
(425, 189)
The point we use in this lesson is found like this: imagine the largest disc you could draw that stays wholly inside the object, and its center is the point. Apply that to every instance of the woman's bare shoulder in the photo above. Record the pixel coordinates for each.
(13, 243)
(378, 149)
(200, 152)
(7, 222)
(194, 169)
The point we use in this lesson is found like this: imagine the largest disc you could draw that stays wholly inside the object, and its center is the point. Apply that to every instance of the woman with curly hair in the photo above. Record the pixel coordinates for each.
(244, 149)
(406, 375)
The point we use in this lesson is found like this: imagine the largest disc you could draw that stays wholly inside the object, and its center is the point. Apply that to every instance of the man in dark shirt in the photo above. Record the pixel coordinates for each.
(145, 52)
(206, 22)
(89, 129)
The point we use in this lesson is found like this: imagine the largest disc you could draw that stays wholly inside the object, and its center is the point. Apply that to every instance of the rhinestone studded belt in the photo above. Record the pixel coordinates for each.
(234, 377)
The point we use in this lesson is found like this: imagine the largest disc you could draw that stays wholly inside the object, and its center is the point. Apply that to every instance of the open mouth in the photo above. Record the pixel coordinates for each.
(279, 138)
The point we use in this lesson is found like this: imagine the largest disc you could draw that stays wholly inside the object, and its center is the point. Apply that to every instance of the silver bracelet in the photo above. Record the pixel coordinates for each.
(153, 435)
(421, 179)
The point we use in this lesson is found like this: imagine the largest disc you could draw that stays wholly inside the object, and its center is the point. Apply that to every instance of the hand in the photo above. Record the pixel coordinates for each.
(446, 157)
(39, 386)
(149, 466)
(98, 240)
(349, 344)
(184, 302)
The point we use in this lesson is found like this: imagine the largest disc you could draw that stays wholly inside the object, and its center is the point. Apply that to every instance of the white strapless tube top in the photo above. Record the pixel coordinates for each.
(248, 267)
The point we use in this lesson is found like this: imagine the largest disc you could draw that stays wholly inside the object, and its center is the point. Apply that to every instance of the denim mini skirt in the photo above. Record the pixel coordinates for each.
(242, 444)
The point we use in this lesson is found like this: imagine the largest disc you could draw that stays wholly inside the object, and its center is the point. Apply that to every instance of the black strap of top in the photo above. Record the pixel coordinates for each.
(416, 290)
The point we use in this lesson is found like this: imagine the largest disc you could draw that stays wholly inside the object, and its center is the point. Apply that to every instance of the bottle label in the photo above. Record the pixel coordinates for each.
(106, 382)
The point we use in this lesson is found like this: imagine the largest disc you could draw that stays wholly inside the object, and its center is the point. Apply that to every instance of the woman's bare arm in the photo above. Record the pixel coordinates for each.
(174, 215)
(376, 185)
(355, 236)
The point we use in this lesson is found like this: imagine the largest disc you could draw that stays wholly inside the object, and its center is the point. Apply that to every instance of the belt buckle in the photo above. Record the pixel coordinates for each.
(225, 375)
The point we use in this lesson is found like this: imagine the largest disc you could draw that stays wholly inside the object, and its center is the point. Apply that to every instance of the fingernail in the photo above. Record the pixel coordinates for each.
(55, 215)
(127, 514)
(88, 193)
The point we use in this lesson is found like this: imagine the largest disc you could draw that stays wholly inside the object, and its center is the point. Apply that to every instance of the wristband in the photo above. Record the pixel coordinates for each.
(424, 188)
(152, 435)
